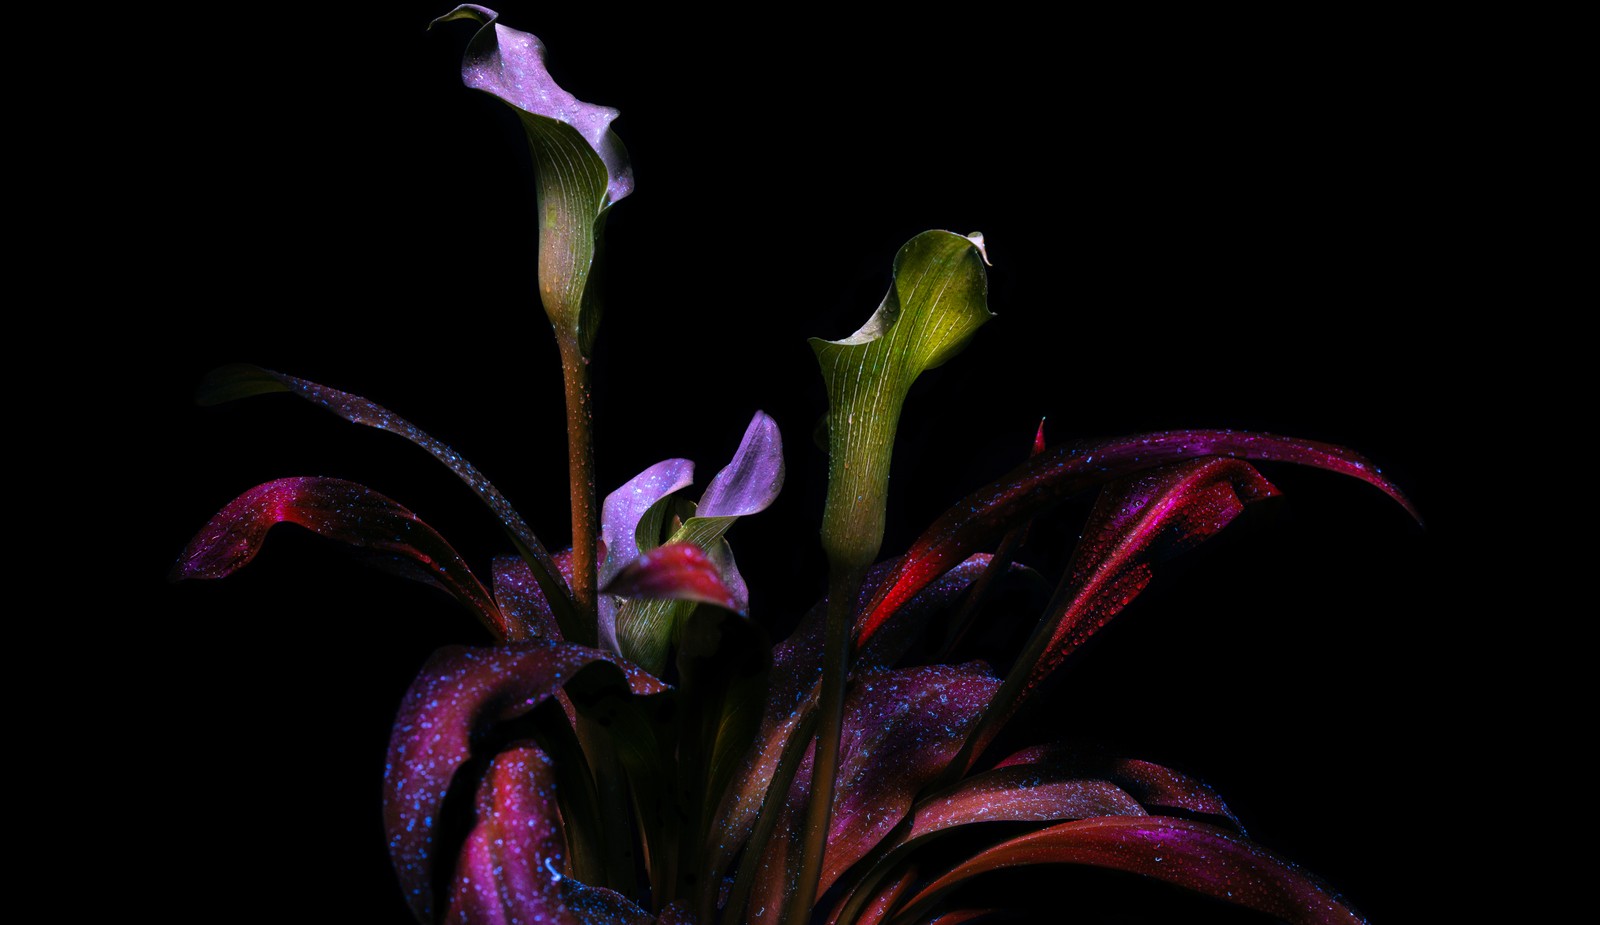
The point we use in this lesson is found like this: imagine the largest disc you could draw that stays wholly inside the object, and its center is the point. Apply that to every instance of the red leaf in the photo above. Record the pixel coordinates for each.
(343, 511)
(676, 571)
(983, 517)
(1136, 521)
(1188, 854)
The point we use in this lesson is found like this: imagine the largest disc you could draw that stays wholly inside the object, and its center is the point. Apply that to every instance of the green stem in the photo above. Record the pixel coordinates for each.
(772, 805)
(580, 475)
(844, 586)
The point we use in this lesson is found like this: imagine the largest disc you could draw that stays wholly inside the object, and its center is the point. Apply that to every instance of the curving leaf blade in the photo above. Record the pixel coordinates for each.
(1188, 854)
(674, 572)
(242, 380)
(1044, 480)
(457, 697)
(347, 512)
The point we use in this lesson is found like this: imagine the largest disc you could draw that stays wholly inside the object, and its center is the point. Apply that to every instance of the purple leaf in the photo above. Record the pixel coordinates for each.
(1191, 855)
(900, 731)
(509, 64)
(521, 599)
(1154, 786)
(984, 516)
(674, 572)
(242, 380)
(458, 695)
(343, 511)
(751, 482)
(797, 665)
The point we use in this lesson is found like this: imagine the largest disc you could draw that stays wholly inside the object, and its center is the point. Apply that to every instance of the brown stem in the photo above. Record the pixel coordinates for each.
(580, 475)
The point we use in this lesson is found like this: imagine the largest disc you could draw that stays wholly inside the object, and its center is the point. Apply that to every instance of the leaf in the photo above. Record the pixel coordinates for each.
(241, 380)
(510, 868)
(900, 730)
(1136, 521)
(1023, 793)
(1044, 480)
(582, 167)
(459, 694)
(797, 666)
(1154, 786)
(343, 511)
(521, 599)
(1188, 854)
(937, 300)
(677, 572)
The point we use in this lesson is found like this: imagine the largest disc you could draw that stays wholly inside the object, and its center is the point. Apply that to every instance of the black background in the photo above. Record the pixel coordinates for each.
(1196, 222)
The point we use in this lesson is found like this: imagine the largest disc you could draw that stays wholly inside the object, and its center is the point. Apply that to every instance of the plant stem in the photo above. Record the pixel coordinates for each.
(580, 475)
(844, 586)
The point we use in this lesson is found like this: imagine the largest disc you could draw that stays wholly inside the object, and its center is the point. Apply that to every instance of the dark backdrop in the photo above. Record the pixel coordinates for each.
(1196, 222)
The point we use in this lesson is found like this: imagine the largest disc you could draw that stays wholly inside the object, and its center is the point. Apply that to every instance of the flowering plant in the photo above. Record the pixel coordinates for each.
(632, 746)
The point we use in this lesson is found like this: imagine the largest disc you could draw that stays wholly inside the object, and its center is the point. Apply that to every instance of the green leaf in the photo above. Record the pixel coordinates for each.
(938, 299)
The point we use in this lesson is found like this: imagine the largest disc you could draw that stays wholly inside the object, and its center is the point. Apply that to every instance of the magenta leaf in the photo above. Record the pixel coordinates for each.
(1188, 854)
(674, 572)
(343, 511)
(511, 866)
(751, 481)
(241, 380)
(983, 517)
(459, 694)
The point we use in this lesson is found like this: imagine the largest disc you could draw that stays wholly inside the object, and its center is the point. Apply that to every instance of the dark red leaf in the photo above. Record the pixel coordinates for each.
(343, 511)
(1023, 793)
(242, 380)
(676, 571)
(517, 592)
(458, 695)
(1136, 521)
(980, 519)
(1154, 786)
(1188, 854)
